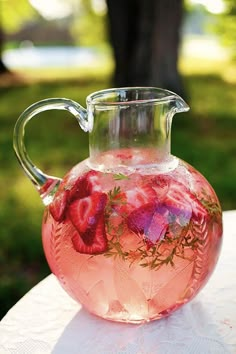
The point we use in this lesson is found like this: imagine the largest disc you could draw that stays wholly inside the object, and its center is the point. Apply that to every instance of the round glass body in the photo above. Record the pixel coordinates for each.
(133, 245)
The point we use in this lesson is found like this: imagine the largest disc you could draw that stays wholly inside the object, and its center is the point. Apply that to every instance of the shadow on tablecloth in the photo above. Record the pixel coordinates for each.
(190, 330)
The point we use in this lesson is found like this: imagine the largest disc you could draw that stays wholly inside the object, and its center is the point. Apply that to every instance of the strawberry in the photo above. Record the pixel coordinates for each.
(79, 189)
(85, 185)
(177, 204)
(84, 205)
(184, 204)
(157, 228)
(84, 213)
(162, 181)
(92, 241)
(58, 206)
(178, 199)
(82, 187)
(126, 201)
(148, 220)
(87, 216)
(199, 209)
(139, 219)
(160, 184)
(92, 181)
(47, 186)
(140, 195)
(124, 156)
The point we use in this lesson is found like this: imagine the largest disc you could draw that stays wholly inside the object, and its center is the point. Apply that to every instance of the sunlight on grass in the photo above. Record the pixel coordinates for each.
(72, 73)
(195, 66)
(188, 66)
(229, 73)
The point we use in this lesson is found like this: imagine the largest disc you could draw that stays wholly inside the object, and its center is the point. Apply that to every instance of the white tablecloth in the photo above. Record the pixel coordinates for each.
(47, 320)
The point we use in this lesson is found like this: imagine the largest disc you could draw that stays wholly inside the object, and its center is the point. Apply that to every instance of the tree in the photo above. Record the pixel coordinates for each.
(225, 26)
(12, 15)
(145, 36)
(3, 68)
(88, 25)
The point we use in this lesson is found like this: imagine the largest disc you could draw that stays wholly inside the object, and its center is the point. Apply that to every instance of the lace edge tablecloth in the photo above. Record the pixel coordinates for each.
(47, 320)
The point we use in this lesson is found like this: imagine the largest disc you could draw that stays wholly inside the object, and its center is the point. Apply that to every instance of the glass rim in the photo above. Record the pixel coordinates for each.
(101, 97)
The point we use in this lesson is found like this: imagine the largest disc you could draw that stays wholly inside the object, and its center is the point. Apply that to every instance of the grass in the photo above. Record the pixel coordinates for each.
(205, 137)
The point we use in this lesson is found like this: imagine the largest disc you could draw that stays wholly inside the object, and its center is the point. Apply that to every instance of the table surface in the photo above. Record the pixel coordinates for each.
(47, 320)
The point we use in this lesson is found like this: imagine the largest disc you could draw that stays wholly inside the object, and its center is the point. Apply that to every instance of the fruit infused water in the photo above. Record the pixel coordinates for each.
(132, 244)
(132, 233)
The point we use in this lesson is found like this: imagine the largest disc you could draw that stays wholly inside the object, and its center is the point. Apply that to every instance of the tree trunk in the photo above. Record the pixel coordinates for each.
(3, 68)
(145, 36)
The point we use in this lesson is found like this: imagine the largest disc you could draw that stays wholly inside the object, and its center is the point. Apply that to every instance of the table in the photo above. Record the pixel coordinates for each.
(47, 320)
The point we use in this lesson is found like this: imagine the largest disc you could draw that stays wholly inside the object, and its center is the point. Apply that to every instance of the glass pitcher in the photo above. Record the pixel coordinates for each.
(132, 232)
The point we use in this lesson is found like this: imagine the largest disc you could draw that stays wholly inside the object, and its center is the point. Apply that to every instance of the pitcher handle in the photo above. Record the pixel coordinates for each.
(45, 184)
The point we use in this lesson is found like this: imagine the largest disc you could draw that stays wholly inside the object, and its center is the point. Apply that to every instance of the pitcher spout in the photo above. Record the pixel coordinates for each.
(180, 105)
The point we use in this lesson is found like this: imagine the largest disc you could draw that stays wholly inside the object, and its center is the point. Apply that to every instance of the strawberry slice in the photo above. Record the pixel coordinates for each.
(85, 185)
(84, 213)
(92, 241)
(82, 187)
(177, 204)
(184, 204)
(157, 228)
(161, 184)
(149, 221)
(199, 210)
(139, 219)
(58, 206)
(140, 195)
(87, 216)
(93, 184)
(131, 199)
(48, 186)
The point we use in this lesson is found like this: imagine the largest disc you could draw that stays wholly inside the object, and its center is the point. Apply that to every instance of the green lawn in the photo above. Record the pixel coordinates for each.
(205, 137)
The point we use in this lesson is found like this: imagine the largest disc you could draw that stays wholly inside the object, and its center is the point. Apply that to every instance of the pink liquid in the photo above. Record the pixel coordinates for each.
(141, 275)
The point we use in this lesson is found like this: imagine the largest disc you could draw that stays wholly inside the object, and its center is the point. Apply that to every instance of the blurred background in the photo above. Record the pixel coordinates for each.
(70, 48)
